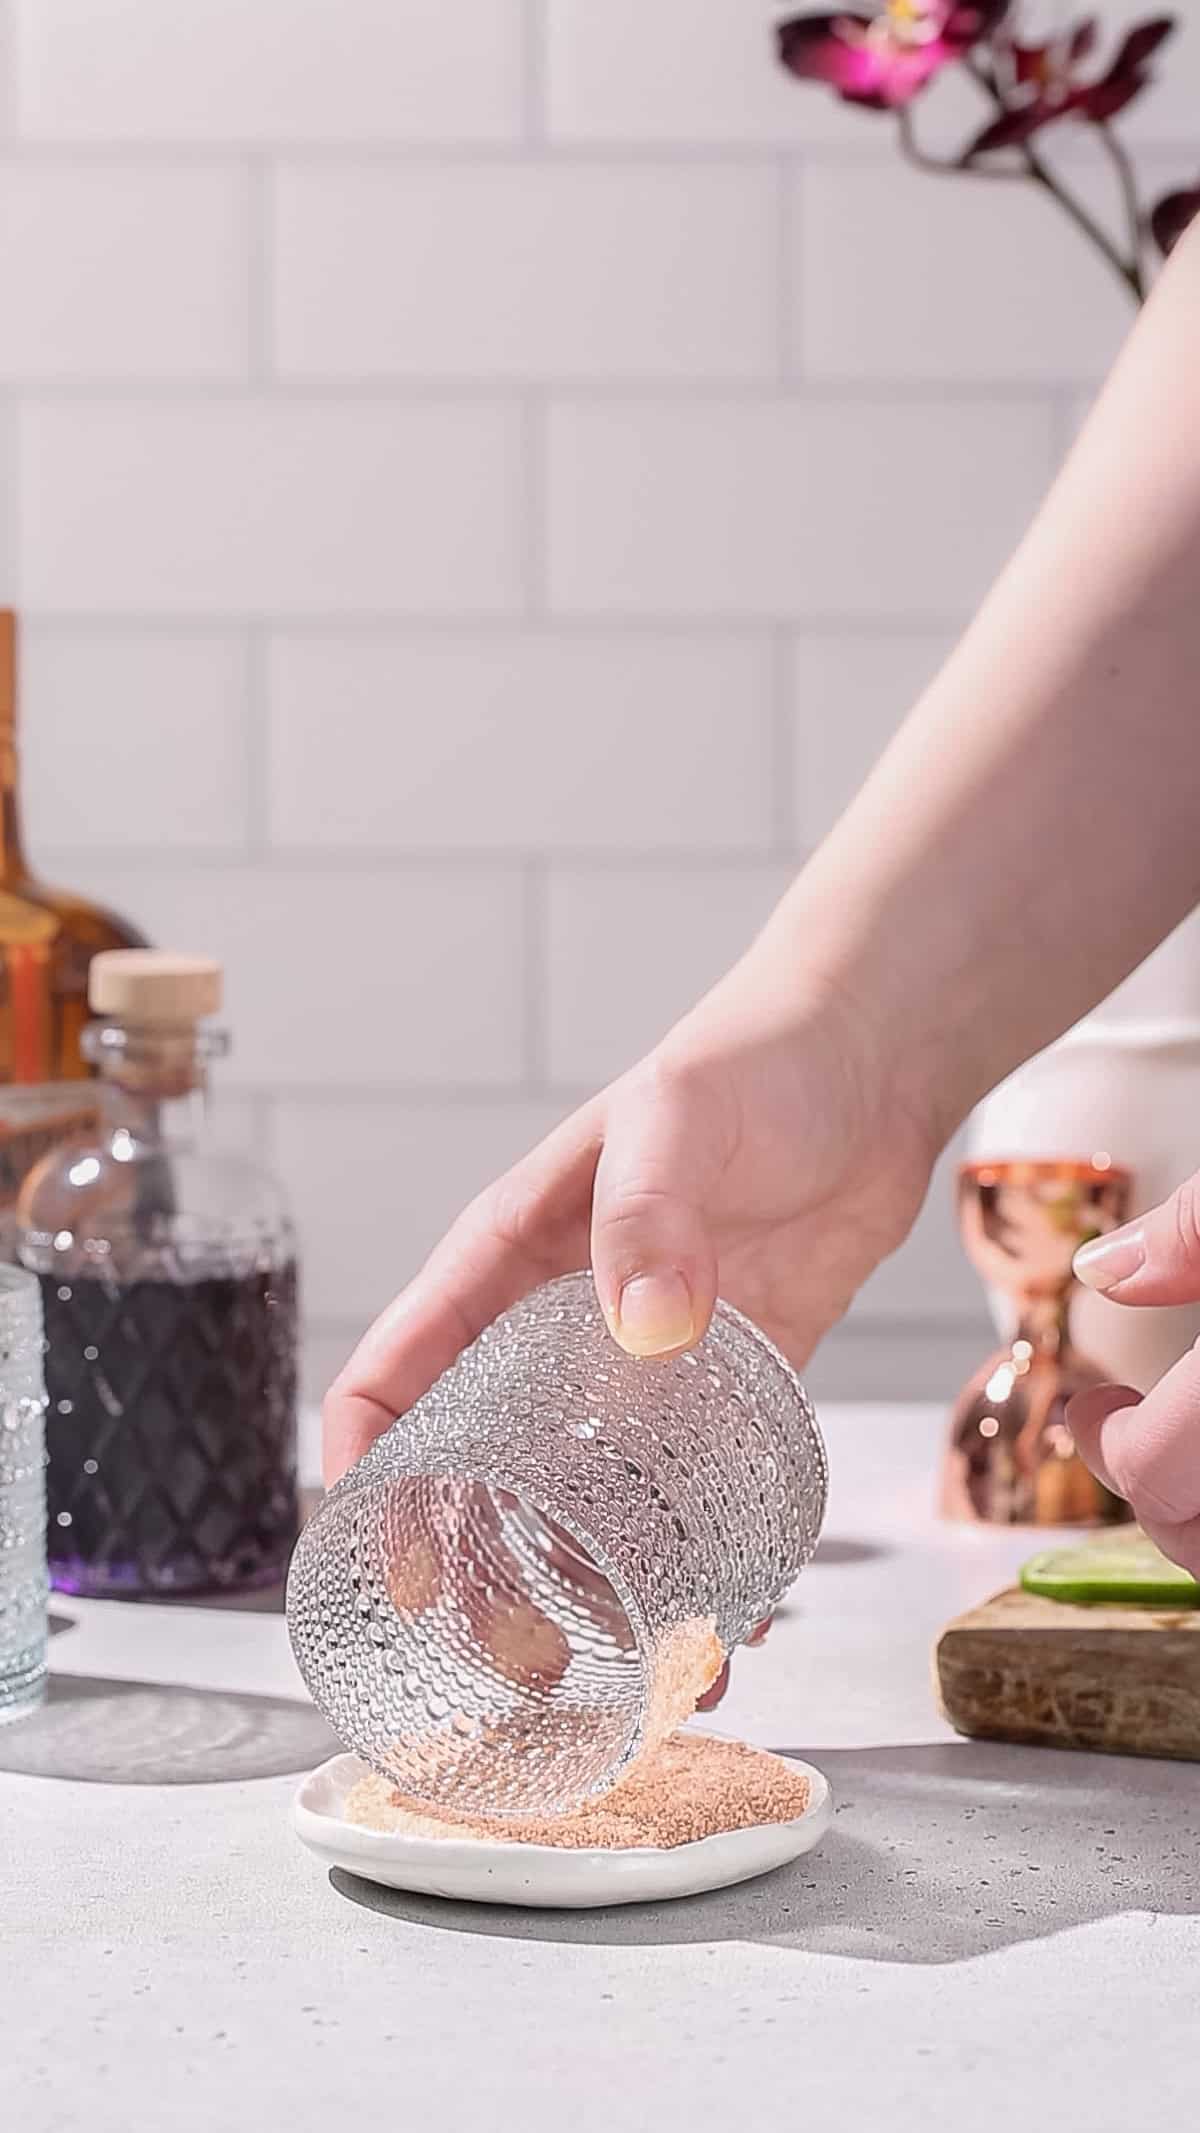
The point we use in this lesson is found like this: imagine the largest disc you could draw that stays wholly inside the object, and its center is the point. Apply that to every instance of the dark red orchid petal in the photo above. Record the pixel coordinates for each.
(1009, 130)
(813, 47)
(1105, 98)
(1083, 39)
(1171, 216)
(1139, 45)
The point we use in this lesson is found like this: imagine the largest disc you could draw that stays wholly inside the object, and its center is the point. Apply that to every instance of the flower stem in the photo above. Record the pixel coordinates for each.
(1129, 271)
(939, 165)
(1119, 156)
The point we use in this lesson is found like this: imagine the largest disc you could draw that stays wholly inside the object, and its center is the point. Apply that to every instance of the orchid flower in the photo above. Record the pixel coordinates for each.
(882, 61)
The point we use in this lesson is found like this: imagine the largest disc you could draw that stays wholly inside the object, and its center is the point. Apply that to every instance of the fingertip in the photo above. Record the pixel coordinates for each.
(1087, 1410)
(1086, 1416)
(1180, 1543)
(654, 1313)
(350, 1424)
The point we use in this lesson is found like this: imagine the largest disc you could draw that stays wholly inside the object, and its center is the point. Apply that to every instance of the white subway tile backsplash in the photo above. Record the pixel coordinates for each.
(483, 482)
(908, 276)
(748, 508)
(673, 72)
(117, 272)
(850, 694)
(668, 71)
(132, 739)
(246, 505)
(521, 743)
(526, 271)
(262, 71)
(629, 950)
(355, 979)
(374, 1186)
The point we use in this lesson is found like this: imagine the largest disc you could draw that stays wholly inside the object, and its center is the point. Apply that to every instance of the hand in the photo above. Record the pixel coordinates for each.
(762, 1150)
(1148, 1450)
(759, 1150)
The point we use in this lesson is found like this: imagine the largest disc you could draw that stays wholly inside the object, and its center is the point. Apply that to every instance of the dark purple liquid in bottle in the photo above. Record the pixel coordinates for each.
(170, 1431)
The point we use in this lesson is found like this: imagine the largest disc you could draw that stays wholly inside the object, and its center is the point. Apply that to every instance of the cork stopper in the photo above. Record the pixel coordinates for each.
(154, 987)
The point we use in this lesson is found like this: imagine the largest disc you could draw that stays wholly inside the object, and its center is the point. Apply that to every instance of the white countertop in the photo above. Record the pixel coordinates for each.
(987, 1930)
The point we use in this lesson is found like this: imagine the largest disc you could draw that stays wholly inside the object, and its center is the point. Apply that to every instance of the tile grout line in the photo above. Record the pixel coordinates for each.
(421, 628)
(785, 828)
(259, 242)
(787, 274)
(256, 764)
(642, 391)
(557, 150)
(330, 862)
(535, 975)
(421, 1096)
(534, 506)
(9, 144)
(534, 41)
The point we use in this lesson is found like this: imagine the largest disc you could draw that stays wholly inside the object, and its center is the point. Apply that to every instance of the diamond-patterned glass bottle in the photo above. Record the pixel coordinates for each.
(168, 1278)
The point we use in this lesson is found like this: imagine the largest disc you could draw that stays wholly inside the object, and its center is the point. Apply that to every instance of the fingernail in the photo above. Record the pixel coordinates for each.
(1108, 1260)
(654, 1314)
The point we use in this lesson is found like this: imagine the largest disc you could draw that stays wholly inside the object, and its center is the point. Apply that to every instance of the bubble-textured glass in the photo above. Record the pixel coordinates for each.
(23, 1586)
(486, 1606)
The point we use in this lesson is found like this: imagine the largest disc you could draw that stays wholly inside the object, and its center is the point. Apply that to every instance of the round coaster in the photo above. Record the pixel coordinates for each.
(479, 1870)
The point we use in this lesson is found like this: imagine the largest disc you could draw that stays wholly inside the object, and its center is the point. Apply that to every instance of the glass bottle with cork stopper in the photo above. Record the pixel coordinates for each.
(168, 1276)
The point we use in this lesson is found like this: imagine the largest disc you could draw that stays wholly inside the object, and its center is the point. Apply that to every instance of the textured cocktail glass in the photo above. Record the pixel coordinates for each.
(495, 1605)
(22, 1496)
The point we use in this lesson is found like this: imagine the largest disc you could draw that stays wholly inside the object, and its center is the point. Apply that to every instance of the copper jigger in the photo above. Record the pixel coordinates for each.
(1011, 1459)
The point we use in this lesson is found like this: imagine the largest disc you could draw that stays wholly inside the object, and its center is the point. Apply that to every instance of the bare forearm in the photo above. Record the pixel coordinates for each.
(1034, 829)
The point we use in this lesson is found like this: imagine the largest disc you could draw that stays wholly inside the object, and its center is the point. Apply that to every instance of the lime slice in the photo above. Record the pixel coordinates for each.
(1114, 1569)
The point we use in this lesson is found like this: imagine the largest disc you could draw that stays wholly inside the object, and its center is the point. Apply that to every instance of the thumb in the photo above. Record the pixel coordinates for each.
(652, 1256)
(1148, 1450)
(1155, 1260)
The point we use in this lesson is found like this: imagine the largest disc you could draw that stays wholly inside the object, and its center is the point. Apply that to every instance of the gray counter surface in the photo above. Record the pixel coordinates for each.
(986, 1932)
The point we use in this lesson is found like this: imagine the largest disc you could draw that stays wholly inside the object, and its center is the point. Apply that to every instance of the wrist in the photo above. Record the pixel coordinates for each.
(909, 1013)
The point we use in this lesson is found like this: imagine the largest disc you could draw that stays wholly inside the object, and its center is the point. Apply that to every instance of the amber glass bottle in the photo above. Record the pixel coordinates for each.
(47, 936)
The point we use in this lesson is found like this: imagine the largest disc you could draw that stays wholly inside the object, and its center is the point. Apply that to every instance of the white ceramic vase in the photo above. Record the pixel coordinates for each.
(1126, 1081)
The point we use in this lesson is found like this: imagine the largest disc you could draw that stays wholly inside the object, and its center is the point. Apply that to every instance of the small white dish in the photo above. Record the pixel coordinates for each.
(543, 1876)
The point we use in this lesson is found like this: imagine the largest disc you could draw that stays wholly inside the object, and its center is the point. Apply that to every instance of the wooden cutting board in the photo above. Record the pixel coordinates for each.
(1124, 1680)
